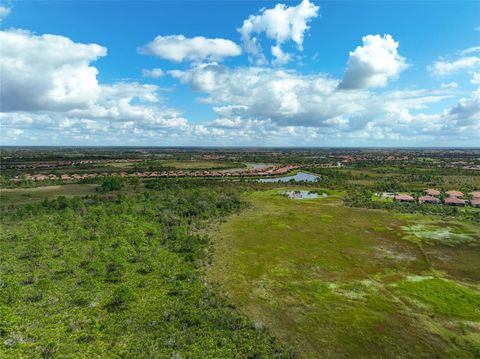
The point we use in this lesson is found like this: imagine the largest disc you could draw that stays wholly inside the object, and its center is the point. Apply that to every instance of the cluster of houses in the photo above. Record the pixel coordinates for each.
(452, 198)
(264, 171)
(68, 163)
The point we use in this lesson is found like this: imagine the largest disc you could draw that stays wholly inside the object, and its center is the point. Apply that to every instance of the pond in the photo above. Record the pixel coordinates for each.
(300, 176)
(303, 194)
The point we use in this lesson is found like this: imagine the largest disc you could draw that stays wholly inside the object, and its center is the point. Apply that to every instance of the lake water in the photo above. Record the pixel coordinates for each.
(301, 194)
(300, 176)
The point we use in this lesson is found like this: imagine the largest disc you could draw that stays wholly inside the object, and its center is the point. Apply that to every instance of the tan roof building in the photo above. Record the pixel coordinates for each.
(454, 201)
(403, 198)
(432, 192)
(475, 194)
(429, 199)
(454, 194)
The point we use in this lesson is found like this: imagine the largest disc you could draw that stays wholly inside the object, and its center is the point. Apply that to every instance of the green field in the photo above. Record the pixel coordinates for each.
(18, 196)
(199, 165)
(333, 281)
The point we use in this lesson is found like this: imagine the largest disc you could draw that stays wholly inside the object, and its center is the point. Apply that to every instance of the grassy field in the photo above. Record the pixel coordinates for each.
(31, 195)
(199, 165)
(334, 281)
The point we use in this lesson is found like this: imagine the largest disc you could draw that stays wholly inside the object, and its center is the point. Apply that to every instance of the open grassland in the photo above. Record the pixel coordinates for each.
(335, 281)
(200, 165)
(18, 196)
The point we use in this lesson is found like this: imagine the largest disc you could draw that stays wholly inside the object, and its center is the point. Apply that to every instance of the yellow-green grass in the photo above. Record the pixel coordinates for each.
(330, 280)
(17, 196)
(117, 164)
(190, 165)
(458, 181)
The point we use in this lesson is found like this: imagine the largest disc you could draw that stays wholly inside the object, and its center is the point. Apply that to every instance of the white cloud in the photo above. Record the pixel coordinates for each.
(4, 12)
(253, 105)
(465, 112)
(470, 50)
(155, 73)
(277, 100)
(13, 133)
(445, 67)
(46, 72)
(373, 63)
(276, 107)
(126, 102)
(475, 78)
(178, 48)
(449, 85)
(50, 92)
(280, 24)
(465, 60)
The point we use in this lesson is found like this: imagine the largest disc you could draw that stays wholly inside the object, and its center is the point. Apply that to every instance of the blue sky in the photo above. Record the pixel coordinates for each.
(413, 81)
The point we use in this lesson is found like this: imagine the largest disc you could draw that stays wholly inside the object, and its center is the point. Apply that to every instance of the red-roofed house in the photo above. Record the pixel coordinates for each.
(457, 194)
(454, 201)
(432, 192)
(475, 194)
(403, 198)
(429, 199)
(475, 202)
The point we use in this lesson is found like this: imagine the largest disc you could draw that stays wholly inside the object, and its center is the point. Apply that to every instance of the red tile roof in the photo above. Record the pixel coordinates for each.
(429, 199)
(475, 194)
(454, 200)
(454, 193)
(432, 192)
(403, 197)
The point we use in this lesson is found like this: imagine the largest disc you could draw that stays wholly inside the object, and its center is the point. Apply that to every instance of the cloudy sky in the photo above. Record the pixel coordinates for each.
(241, 73)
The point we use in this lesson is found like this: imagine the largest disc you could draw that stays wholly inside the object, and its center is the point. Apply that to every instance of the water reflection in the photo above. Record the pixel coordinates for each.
(302, 194)
(300, 176)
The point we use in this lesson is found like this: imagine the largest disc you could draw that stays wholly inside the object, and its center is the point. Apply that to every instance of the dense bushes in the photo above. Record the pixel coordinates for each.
(111, 184)
(117, 275)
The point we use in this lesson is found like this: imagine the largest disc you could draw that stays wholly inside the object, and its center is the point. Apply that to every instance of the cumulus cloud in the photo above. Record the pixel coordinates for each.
(448, 67)
(127, 102)
(280, 24)
(155, 73)
(123, 112)
(4, 12)
(466, 111)
(47, 72)
(271, 106)
(262, 93)
(465, 60)
(289, 102)
(373, 63)
(178, 48)
(50, 91)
